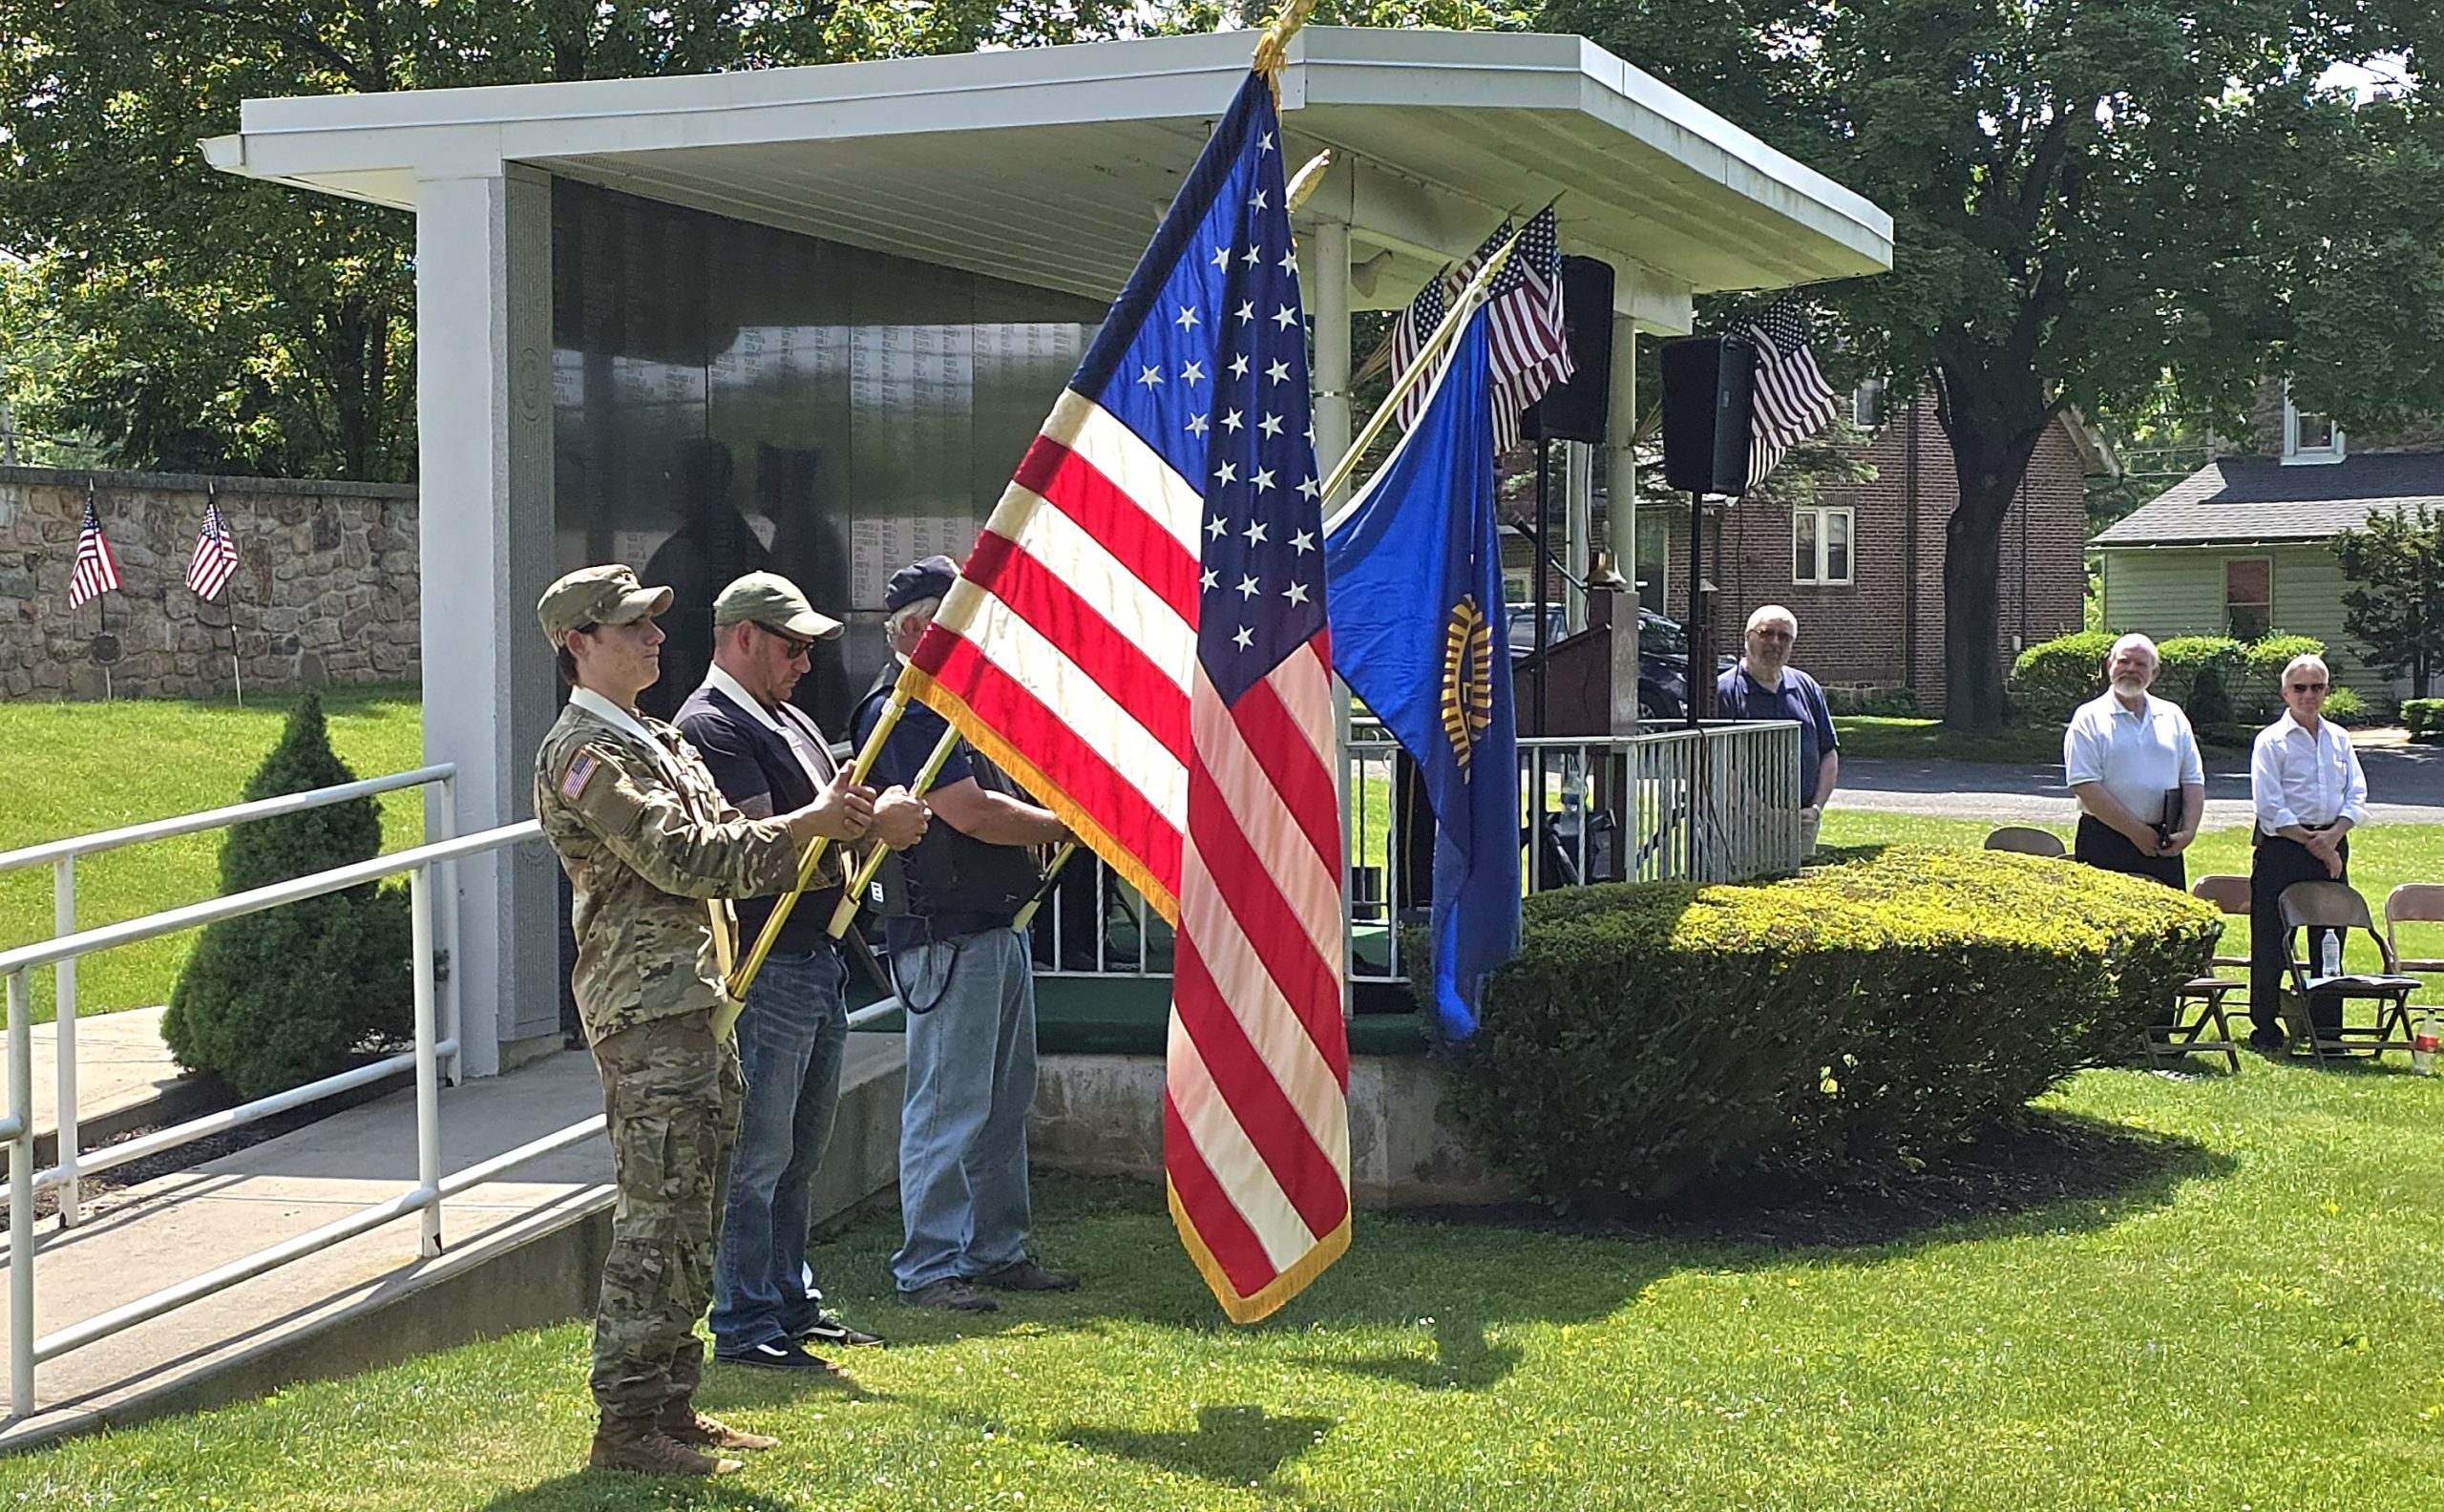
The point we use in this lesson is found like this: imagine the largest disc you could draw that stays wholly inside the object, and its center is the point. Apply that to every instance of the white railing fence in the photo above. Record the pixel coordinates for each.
(62, 855)
(1715, 803)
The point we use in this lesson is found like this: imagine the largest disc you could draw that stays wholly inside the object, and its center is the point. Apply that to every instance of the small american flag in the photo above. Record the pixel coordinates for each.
(1409, 335)
(216, 555)
(1527, 332)
(97, 571)
(1793, 401)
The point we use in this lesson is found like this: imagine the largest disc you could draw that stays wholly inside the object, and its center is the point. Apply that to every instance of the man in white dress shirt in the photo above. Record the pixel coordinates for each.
(2310, 793)
(2130, 758)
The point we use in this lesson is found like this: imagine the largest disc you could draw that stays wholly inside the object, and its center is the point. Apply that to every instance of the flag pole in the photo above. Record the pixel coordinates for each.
(1417, 372)
(856, 889)
(744, 976)
(236, 674)
(1059, 858)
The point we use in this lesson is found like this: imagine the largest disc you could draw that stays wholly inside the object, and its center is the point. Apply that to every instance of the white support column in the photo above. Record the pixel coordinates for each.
(1329, 282)
(1621, 505)
(484, 417)
(1333, 424)
(1578, 525)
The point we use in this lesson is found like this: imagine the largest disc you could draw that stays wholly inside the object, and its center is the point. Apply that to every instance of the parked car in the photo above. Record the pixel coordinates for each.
(1663, 656)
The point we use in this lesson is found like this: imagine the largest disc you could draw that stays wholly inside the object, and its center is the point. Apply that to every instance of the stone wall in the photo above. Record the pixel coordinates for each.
(326, 589)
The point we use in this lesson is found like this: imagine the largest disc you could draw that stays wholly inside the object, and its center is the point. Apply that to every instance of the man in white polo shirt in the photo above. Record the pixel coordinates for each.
(2309, 792)
(2130, 759)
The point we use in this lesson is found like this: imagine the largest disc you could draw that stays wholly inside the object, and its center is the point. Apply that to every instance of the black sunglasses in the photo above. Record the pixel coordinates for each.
(799, 649)
(2308, 687)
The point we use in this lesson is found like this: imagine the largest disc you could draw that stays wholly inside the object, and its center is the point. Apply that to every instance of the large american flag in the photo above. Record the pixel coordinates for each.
(1140, 639)
(216, 555)
(1792, 401)
(1527, 336)
(96, 570)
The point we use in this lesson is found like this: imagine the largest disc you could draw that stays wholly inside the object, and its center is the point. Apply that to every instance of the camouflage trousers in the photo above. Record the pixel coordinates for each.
(672, 1094)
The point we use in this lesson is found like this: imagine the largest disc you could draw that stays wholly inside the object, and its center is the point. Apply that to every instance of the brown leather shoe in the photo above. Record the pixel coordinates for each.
(638, 1446)
(682, 1421)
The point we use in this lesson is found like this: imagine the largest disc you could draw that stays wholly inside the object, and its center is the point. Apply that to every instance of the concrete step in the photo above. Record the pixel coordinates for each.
(521, 1250)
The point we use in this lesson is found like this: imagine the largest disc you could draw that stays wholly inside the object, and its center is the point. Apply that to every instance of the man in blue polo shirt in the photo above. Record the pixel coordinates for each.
(1762, 686)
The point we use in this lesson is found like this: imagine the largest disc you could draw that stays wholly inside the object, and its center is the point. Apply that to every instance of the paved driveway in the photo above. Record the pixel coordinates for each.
(2405, 786)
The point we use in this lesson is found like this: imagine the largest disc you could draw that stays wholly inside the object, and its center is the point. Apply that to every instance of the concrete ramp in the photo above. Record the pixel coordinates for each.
(522, 1250)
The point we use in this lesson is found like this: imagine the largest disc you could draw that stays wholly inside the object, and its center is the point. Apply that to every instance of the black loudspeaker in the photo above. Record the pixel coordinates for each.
(1707, 384)
(1576, 410)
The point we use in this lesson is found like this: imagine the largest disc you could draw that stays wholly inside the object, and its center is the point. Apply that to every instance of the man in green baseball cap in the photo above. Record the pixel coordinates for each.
(652, 852)
(768, 755)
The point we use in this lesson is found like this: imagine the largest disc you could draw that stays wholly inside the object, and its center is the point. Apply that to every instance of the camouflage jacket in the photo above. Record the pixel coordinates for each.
(641, 856)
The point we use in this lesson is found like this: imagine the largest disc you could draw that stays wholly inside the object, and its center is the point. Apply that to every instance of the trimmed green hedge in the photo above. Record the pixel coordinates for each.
(2215, 678)
(1653, 1036)
(2425, 719)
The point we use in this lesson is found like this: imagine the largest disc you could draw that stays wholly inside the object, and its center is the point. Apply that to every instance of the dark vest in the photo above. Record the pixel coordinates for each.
(952, 882)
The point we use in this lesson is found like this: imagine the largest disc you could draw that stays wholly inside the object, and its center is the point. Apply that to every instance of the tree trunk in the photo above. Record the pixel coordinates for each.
(1990, 456)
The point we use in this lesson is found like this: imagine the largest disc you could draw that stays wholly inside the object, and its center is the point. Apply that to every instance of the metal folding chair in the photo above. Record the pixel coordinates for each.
(2338, 906)
(2413, 903)
(2201, 1003)
(2022, 840)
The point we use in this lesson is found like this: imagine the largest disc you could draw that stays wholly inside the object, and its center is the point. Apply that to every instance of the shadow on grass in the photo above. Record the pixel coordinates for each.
(1235, 1446)
(2042, 1171)
(1464, 1359)
(604, 1491)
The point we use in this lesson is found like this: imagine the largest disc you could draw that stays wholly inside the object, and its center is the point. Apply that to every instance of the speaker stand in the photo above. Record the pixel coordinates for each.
(1544, 576)
(1695, 632)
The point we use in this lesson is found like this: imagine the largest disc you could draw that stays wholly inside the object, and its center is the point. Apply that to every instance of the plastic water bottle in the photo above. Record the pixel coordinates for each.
(2422, 1045)
(2332, 961)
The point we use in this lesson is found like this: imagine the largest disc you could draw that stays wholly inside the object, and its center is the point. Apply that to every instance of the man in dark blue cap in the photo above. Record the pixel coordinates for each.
(965, 977)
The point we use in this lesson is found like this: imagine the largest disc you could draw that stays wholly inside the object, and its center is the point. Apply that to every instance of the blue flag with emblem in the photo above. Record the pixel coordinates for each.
(1415, 587)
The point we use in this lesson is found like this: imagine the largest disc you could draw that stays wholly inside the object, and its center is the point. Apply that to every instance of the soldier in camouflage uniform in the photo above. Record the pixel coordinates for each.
(651, 850)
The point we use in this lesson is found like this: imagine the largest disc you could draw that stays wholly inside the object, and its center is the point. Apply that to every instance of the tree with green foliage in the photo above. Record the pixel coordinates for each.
(2396, 606)
(274, 999)
(2085, 199)
(202, 321)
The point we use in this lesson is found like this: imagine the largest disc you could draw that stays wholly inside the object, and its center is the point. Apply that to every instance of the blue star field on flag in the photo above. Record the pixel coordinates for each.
(1210, 369)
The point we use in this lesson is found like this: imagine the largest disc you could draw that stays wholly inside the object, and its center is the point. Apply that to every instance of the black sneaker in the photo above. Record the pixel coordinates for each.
(951, 1294)
(779, 1354)
(2269, 1040)
(828, 1327)
(1025, 1275)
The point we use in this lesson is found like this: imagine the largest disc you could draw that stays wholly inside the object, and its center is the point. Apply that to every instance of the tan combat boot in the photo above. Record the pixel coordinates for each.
(679, 1420)
(639, 1446)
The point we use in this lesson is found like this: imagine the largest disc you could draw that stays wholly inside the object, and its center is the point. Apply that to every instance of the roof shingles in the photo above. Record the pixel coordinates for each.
(2253, 498)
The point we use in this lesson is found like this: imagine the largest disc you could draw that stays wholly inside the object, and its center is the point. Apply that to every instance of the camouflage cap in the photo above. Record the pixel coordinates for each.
(774, 602)
(591, 595)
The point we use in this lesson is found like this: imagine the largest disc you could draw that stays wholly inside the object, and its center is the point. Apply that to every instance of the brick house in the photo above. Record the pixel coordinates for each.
(1862, 566)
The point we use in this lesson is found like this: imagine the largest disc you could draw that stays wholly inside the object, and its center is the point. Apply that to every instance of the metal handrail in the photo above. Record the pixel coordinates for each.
(435, 1037)
(216, 818)
(213, 911)
(61, 855)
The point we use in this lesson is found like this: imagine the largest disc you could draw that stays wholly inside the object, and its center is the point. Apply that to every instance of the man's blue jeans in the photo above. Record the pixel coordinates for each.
(791, 1036)
(963, 1127)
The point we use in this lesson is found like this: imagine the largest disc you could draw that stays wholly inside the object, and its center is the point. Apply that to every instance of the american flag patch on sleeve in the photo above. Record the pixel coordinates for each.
(581, 771)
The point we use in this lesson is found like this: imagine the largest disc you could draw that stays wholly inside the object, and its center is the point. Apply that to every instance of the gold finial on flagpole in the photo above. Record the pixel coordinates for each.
(1273, 48)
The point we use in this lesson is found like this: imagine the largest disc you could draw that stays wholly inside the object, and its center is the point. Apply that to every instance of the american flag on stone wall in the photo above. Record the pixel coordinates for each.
(216, 555)
(97, 569)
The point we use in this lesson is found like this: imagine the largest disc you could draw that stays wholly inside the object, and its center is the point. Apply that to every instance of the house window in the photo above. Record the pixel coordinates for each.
(2308, 438)
(1866, 404)
(2249, 597)
(1821, 546)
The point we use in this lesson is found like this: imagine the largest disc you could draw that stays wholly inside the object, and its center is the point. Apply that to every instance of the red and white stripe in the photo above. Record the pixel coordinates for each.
(1068, 652)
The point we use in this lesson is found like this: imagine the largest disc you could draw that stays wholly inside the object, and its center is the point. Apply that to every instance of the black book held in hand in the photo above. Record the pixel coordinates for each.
(2176, 810)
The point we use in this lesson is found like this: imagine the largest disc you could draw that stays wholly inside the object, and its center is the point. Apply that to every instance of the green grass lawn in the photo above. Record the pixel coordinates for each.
(2382, 857)
(77, 767)
(2250, 1324)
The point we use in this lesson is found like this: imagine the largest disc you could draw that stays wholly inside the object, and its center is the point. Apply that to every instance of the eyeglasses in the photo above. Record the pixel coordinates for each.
(2308, 687)
(1765, 633)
